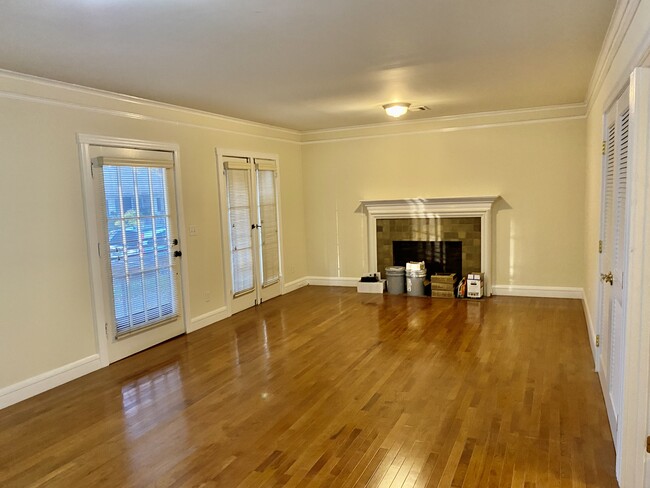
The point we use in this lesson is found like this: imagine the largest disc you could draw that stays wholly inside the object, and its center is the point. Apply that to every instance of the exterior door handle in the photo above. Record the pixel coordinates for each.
(607, 278)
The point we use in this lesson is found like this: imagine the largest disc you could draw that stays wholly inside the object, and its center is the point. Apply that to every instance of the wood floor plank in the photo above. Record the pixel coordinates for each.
(327, 387)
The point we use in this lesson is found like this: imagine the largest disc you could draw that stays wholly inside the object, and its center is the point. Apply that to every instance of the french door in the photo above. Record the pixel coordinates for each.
(251, 231)
(613, 257)
(139, 247)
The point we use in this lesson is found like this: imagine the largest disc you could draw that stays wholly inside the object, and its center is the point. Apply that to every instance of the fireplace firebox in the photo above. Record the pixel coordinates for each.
(438, 256)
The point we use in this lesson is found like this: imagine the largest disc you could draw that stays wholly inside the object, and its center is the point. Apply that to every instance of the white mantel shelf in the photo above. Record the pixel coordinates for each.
(423, 208)
(429, 205)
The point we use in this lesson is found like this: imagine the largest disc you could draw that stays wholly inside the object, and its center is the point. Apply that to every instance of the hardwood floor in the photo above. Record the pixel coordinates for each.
(326, 387)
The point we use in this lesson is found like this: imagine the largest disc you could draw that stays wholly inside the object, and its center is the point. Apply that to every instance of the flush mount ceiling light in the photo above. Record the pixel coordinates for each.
(396, 109)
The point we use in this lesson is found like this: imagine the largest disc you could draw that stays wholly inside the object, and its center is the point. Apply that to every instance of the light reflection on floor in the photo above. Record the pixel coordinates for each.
(142, 403)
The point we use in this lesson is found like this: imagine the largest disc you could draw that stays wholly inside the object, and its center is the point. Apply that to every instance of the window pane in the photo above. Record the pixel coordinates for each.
(237, 182)
(269, 221)
(137, 220)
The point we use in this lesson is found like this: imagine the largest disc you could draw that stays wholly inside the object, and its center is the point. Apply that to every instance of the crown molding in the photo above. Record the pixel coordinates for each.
(445, 129)
(526, 111)
(107, 103)
(140, 105)
(477, 120)
(624, 13)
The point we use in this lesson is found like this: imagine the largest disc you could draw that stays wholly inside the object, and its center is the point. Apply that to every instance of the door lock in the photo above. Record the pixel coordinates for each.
(607, 278)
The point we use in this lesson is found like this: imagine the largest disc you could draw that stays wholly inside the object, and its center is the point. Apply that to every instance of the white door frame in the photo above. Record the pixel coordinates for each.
(597, 349)
(223, 214)
(100, 315)
(632, 461)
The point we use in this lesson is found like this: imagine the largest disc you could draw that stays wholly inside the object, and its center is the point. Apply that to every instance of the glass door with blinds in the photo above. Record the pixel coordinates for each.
(139, 248)
(250, 204)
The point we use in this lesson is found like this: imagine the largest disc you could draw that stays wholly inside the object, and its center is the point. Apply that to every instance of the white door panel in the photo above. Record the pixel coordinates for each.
(613, 258)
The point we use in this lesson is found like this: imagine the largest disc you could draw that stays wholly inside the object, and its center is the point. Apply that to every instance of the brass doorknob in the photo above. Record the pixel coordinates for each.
(607, 278)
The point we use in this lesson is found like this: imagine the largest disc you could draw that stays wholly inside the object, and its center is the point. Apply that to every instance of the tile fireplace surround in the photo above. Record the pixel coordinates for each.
(466, 211)
(466, 230)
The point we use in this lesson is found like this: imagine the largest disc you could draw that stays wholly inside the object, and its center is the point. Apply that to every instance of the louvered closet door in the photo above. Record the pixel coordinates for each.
(613, 258)
(250, 188)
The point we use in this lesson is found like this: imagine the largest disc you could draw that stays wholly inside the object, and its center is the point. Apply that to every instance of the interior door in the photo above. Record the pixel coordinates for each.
(268, 230)
(250, 199)
(139, 247)
(613, 257)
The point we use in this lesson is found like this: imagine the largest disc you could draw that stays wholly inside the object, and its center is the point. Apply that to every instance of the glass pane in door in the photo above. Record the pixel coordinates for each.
(269, 221)
(238, 189)
(141, 264)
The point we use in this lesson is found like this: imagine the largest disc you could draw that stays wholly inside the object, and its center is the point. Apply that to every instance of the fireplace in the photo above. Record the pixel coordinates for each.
(464, 220)
(464, 232)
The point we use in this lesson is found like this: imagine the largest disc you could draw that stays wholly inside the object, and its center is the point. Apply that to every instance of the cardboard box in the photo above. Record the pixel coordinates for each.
(376, 287)
(442, 286)
(474, 288)
(444, 278)
(475, 284)
(442, 294)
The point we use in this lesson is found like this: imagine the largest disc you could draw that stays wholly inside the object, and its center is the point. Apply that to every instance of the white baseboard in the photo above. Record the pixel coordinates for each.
(537, 291)
(46, 381)
(294, 285)
(503, 290)
(207, 319)
(591, 330)
(332, 281)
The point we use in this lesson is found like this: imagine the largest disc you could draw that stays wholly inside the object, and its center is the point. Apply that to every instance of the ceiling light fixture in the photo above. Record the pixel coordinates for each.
(396, 109)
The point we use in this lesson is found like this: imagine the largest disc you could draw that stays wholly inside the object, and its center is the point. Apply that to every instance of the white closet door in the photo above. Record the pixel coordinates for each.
(613, 257)
(617, 337)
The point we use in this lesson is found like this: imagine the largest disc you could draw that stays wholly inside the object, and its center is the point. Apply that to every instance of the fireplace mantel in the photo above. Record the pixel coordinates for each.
(423, 208)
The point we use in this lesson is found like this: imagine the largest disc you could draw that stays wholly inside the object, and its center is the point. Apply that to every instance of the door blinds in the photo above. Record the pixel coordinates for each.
(239, 216)
(135, 214)
(268, 215)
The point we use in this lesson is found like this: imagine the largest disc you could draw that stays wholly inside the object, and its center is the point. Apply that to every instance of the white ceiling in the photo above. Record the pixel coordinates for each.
(307, 64)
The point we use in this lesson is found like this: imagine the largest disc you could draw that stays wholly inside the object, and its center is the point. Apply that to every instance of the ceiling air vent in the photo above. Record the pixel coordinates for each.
(418, 108)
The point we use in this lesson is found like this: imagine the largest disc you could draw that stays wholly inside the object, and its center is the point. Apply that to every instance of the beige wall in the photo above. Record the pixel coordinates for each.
(631, 53)
(536, 167)
(45, 297)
